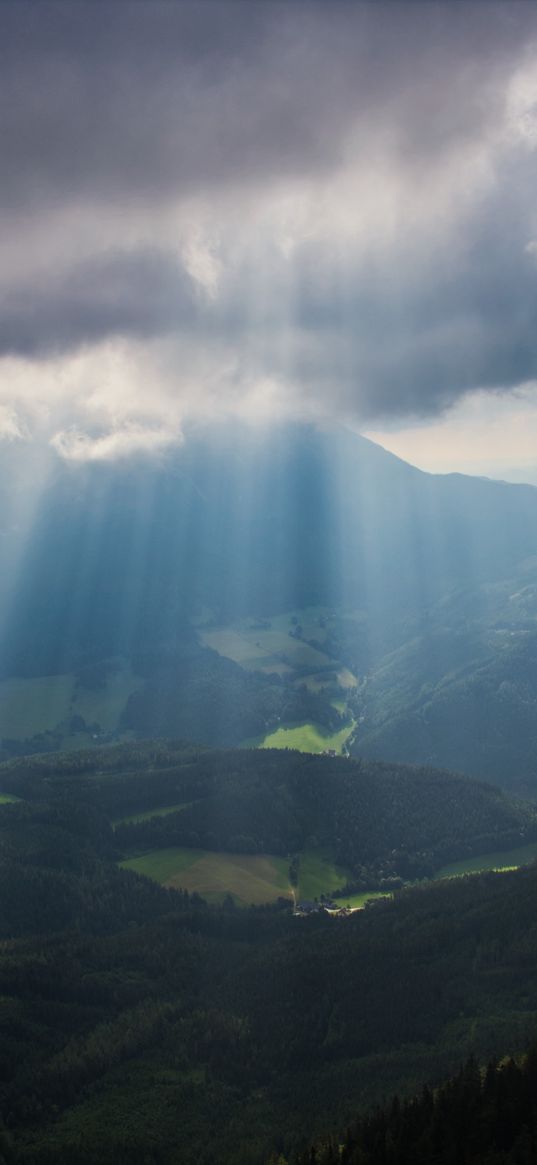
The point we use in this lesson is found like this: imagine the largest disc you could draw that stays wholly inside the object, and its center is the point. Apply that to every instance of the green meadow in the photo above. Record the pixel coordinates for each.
(259, 878)
(162, 864)
(317, 874)
(272, 648)
(307, 738)
(268, 651)
(29, 707)
(358, 901)
(249, 878)
(498, 860)
(105, 705)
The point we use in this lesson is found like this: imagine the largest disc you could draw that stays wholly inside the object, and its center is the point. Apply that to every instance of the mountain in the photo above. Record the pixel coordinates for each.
(253, 523)
(464, 694)
(165, 587)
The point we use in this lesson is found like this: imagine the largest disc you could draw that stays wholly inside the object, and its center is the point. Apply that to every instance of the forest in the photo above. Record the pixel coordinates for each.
(479, 1117)
(139, 1023)
(378, 819)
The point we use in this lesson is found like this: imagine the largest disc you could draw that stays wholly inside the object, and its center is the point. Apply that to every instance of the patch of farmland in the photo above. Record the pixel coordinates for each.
(39, 704)
(308, 738)
(318, 874)
(249, 878)
(263, 650)
(358, 901)
(31, 706)
(105, 705)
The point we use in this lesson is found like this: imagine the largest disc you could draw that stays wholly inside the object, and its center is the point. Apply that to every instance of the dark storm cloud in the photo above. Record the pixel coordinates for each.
(118, 110)
(408, 341)
(120, 99)
(143, 294)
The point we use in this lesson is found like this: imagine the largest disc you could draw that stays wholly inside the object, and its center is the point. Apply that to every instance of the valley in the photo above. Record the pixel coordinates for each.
(232, 631)
(247, 879)
(258, 826)
(66, 710)
(167, 895)
(254, 880)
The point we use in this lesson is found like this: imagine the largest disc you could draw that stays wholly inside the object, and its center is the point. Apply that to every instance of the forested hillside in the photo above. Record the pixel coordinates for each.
(140, 1024)
(478, 1117)
(463, 692)
(377, 819)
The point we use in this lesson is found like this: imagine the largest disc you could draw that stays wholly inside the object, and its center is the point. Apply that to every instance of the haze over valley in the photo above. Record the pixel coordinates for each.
(290, 587)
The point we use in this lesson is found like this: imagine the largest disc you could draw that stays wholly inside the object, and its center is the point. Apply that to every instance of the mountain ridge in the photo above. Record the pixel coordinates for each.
(133, 560)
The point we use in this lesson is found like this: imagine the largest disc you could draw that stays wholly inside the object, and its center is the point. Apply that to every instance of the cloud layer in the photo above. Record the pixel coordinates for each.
(267, 209)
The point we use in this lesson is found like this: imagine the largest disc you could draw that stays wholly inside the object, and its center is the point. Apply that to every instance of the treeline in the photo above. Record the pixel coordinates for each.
(475, 1118)
(57, 870)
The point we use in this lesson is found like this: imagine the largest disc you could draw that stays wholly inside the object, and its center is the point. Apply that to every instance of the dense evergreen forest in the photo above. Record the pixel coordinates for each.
(140, 1024)
(477, 1118)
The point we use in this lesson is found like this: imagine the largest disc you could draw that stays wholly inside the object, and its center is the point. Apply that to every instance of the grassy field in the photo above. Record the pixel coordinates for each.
(306, 738)
(498, 860)
(146, 814)
(318, 875)
(249, 878)
(272, 648)
(105, 705)
(31, 706)
(259, 878)
(358, 901)
(267, 651)
(162, 864)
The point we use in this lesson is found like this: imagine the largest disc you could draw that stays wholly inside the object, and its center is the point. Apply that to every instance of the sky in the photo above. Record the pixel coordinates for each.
(316, 211)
